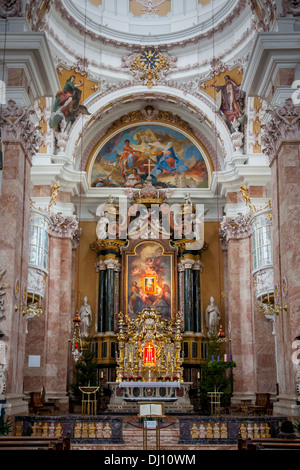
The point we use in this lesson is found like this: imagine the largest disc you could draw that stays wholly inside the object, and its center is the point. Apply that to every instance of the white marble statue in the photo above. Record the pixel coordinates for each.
(85, 313)
(212, 317)
(101, 229)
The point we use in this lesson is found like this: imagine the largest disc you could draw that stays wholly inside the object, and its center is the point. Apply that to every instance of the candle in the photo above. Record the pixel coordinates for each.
(230, 357)
(212, 358)
(218, 358)
(225, 357)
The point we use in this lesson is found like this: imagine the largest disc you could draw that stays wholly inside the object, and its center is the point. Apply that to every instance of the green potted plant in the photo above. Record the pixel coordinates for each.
(5, 426)
(297, 427)
(215, 376)
(85, 370)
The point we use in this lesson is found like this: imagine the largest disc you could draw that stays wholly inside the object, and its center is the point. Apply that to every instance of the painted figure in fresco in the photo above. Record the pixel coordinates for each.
(135, 303)
(163, 294)
(128, 157)
(64, 97)
(133, 179)
(167, 161)
(66, 105)
(230, 98)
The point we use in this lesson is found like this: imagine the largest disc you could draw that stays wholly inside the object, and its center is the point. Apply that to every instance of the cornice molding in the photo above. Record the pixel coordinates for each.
(271, 51)
(30, 51)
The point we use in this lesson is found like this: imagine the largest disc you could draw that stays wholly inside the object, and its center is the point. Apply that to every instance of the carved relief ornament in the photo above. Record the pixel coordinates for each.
(283, 126)
(234, 228)
(290, 7)
(63, 227)
(10, 8)
(150, 114)
(18, 127)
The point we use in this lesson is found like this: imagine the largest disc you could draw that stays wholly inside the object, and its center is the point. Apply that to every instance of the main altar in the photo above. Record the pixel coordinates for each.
(149, 333)
(149, 362)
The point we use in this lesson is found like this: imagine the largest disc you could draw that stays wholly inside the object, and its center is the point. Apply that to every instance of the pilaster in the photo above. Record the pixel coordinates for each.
(20, 143)
(60, 301)
(282, 140)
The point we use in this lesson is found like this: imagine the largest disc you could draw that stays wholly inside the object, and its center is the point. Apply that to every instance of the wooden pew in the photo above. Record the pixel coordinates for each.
(39, 406)
(271, 443)
(34, 443)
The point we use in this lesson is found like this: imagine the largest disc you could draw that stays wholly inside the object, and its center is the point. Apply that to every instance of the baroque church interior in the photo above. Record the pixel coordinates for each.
(149, 221)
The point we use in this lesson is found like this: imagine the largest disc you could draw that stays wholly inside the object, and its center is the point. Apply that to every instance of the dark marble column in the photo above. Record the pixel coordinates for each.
(100, 267)
(109, 297)
(197, 268)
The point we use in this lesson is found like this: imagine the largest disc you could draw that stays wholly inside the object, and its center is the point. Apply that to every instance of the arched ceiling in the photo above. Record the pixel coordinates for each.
(155, 22)
(99, 40)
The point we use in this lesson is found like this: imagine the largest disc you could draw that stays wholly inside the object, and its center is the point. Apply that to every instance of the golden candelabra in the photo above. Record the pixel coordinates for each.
(269, 308)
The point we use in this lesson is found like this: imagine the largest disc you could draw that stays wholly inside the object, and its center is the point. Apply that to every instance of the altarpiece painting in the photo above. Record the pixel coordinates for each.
(149, 279)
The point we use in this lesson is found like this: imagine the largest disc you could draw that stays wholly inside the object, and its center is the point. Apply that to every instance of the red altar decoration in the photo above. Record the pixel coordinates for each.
(149, 354)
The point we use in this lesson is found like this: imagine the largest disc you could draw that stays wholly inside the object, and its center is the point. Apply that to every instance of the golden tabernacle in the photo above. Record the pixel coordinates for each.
(150, 347)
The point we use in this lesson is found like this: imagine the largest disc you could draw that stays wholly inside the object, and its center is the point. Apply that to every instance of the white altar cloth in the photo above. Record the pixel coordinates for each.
(149, 384)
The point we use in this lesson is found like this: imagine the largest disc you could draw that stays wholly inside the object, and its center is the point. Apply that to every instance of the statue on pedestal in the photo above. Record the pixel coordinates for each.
(85, 314)
(212, 318)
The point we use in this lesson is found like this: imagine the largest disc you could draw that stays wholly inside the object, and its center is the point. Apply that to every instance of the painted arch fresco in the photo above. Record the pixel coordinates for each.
(171, 157)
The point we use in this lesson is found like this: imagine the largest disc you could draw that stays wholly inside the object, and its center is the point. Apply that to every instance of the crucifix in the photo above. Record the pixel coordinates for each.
(150, 165)
(149, 353)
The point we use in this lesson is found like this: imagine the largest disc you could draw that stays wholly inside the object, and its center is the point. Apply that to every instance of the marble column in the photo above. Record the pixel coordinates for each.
(101, 268)
(59, 312)
(281, 142)
(189, 297)
(108, 294)
(20, 142)
(247, 345)
(111, 265)
(197, 269)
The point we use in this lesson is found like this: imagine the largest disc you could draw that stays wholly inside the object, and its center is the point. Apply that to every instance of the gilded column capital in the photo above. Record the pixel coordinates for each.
(283, 126)
(235, 228)
(17, 126)
(64, 227)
